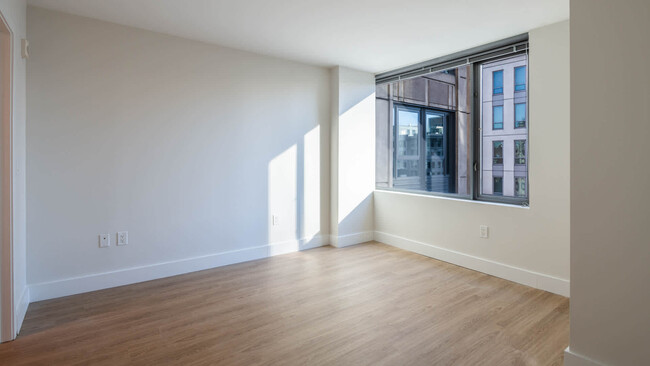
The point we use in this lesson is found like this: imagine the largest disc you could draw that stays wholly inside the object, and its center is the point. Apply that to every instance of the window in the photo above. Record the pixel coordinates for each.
(520, 152)
(497, 82)
(520, 78)
(520, 115)
(520, 186)
(497, 117)
(497, 152)
(497, 186)
(459, 131)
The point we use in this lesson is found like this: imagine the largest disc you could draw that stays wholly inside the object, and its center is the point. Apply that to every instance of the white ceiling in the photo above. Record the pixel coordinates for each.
(370, 35)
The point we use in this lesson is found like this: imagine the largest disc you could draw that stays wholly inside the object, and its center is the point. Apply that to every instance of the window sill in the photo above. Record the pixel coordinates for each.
(451, 198)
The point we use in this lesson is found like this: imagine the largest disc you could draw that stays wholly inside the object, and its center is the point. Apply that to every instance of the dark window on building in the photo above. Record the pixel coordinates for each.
(520, 78)
(497, 185)
(497, 82)
(497, 152)
(497, 117)
(520, 115)
(520, 152)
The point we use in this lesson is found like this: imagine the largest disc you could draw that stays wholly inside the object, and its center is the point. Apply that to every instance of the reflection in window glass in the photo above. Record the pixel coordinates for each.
(407, 143)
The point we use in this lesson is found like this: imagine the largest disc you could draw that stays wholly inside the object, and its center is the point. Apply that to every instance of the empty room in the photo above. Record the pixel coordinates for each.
(309, 182)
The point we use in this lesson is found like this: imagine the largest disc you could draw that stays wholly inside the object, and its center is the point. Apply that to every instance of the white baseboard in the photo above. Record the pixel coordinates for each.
(574, 359)
(529, 278)
(127, 276)
(21, 309)
(351, 239)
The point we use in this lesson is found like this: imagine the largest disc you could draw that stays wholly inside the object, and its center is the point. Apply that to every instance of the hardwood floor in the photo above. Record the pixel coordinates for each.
(369, 304)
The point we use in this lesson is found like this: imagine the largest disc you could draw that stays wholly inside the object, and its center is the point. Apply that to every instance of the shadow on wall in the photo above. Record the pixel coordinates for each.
(295, 196)
(296, 202)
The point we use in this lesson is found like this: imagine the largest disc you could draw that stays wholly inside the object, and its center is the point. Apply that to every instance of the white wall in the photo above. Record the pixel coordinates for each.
(610, 206)
(353, 156)
(14, 12)
(189, 147)
(527, 245)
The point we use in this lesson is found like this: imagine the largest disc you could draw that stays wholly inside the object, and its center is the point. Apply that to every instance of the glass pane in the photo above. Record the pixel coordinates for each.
(504, 129)
(520, 152)
(520, 78)
(497, 152)
(497, 82)
(423, 130)
(438, 154)
(520, 115)
(407, 146)
(497, 117)
(498, 185)
(520, 186)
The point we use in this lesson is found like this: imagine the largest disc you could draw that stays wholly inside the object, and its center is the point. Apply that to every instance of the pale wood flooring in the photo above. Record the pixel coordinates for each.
(369, 304)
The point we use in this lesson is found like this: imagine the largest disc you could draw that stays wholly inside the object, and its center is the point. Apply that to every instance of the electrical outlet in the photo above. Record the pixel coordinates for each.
(484, 232)
(276, 220)
(122, 238)
(104, 240)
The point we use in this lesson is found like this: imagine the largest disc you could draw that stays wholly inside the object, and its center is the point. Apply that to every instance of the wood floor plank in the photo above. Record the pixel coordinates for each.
(369, 304)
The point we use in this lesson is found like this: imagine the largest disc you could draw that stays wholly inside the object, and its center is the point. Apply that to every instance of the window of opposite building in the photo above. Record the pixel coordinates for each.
(497, 82)
(520, 78)
(497, 185)
(497, 117)
(456, 131)
(520, 115)
(520, 186)
(520, 152)
(497, 152)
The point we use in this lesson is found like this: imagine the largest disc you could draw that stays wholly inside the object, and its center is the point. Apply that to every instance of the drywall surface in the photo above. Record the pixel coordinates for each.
(14, 12)
(532, 240)
(610, 207)
(353, 157)
(189, 147)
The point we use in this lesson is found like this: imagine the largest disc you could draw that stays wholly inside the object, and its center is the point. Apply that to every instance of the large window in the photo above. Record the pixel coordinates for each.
(460, 131)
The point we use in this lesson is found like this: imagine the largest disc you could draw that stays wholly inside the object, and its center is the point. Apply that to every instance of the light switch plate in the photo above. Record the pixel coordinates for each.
(122, 237)
(484, 232)
(104, 240)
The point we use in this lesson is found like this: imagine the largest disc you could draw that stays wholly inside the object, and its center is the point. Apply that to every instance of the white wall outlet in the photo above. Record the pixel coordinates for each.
(104, 240)
(484, 232)
(275, 220)
(122, 238)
